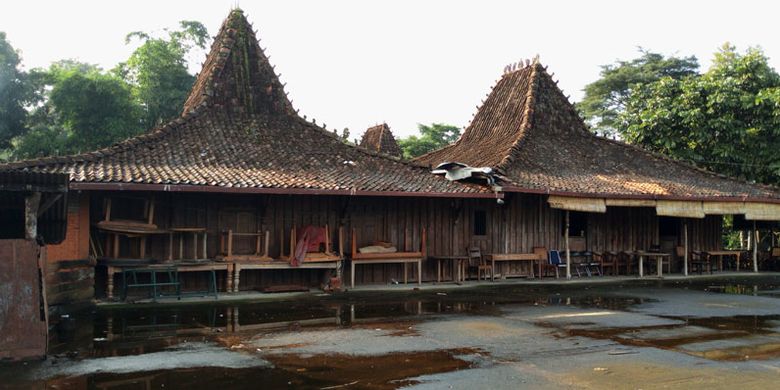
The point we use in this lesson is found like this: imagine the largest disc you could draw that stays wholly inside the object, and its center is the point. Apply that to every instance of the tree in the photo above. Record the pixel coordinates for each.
(726, 120)
(14, 93)
(77, 107)
(432, 137)
(605, 99)
(157, 70)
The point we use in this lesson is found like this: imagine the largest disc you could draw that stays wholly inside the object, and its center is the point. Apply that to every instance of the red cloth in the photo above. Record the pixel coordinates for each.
(309, 241)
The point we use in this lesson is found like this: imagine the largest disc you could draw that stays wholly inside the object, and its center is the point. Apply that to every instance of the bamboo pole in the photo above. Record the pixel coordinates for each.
(568, 252)
(685, 239)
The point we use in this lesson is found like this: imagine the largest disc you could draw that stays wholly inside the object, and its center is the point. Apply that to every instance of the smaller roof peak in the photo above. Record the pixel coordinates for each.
(237, 74)
(380, 139)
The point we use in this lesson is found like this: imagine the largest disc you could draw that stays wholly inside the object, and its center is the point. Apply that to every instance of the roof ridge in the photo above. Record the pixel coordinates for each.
(528, 113)
(248, 82)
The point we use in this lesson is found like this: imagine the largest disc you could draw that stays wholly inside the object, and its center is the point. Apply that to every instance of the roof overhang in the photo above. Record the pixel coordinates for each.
(687, 208)
(87, 186)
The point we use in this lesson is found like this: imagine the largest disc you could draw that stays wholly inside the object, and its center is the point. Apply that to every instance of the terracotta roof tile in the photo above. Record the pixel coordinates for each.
(239, 130)
(532, 135)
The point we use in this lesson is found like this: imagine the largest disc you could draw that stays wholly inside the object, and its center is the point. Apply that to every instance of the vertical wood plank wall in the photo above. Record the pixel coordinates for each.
(523, 222)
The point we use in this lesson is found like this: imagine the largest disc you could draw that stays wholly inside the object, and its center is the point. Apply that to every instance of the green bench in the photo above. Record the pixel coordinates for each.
(170, 277)
(130, 280)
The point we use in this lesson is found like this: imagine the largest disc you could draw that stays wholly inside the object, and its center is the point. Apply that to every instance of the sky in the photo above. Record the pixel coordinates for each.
(355, 64)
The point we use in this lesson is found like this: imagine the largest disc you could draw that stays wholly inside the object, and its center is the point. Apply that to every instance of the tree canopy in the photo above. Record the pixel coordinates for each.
(606, 98)
(77, 107)
(72, 106)
(157, 70)
(432, 137)
(13, 93)
(726, 119)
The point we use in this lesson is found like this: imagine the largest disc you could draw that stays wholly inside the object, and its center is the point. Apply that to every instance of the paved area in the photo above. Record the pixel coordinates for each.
(715, 334)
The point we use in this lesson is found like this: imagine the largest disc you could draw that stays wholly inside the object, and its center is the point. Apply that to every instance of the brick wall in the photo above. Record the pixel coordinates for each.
(70, 274)
(76, 243)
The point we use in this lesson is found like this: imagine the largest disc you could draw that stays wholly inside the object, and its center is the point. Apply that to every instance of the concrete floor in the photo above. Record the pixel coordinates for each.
(591, 333)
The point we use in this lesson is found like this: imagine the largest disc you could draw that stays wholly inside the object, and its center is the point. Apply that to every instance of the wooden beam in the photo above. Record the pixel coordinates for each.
(48, 203)
(755, 248)
(31, 203)
(566, 242)
(685, 240)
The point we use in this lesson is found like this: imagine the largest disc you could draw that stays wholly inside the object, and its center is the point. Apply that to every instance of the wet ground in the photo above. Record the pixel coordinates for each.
(715, 333)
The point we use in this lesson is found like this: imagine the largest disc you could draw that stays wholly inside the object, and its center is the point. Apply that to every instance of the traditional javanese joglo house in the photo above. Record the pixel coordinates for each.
(242, 193)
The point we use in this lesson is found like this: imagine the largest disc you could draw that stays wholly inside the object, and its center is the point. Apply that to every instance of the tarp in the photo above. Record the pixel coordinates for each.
(723, 208)
(677, 208)
(631, 202)
(762, 211)
(589, 205)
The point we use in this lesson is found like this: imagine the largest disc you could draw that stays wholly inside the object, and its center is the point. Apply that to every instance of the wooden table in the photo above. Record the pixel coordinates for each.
(721, 253)
(242, 265)
(456, 262)
(213, 266)
(659, 260)
(180, 232)
(527, 257)
(404, 261)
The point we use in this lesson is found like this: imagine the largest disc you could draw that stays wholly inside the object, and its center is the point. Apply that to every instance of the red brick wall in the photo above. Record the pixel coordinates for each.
(76, 243)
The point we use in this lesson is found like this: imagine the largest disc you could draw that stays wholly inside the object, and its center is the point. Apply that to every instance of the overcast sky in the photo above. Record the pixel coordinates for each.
(357, 63)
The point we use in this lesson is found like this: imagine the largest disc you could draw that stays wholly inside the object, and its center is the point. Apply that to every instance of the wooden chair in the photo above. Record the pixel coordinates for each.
(699, 260)
(606, 261)
(625, 260)
(476, 260)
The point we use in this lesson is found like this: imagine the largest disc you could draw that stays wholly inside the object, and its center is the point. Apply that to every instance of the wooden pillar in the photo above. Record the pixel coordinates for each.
(755, 248)
(685, 245)
(566, 242)
(31, 203)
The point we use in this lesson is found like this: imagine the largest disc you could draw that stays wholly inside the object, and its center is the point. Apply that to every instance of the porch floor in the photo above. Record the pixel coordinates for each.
(630, 280)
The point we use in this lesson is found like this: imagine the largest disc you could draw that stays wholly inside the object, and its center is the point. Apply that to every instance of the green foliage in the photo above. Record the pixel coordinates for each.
(157, 70)
(726, 120)
(605, 99)
(14, 93)
(77, 108)
(432, 137)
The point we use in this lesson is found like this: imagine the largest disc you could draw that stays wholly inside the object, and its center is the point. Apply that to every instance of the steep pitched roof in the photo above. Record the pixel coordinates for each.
(380, 139)
(532, 135)
(238, 130)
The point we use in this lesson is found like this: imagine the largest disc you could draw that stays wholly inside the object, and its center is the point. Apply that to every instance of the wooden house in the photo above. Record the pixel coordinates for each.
(240, 174)
(242, 182)
(612, 196)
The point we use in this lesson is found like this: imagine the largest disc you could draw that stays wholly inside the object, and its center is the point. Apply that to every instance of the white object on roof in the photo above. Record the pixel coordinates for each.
(455, 171)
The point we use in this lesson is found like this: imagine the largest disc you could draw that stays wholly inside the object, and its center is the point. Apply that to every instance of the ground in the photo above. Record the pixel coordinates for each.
(710, 333)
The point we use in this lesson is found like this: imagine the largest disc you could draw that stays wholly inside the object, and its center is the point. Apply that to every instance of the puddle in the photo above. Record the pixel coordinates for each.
(147, 329)
(716, 338)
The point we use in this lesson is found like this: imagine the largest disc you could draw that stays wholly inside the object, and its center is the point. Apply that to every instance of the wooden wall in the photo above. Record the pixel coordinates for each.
(523, 222)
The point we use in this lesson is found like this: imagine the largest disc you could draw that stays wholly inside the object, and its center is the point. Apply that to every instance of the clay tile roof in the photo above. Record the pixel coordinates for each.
(238, 130)
(380, 139)
(532, 135)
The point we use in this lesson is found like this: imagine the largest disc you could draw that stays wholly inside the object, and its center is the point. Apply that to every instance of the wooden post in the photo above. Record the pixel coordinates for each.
(685, 239)
(566, 242)
(31, 203)
(755, 248)
(230, 244)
